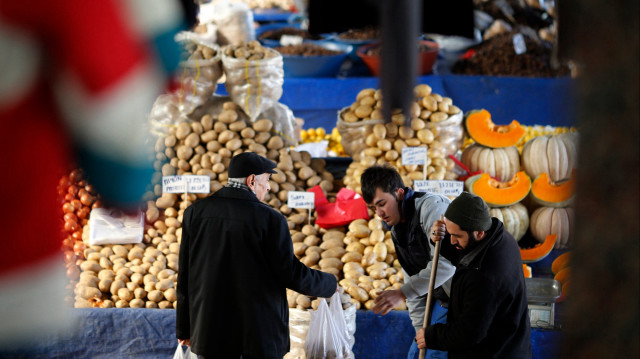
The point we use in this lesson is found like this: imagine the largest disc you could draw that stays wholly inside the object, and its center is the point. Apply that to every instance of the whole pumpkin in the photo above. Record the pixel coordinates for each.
(501, 163)
(515, 219)
(549, 220)
(556, 155)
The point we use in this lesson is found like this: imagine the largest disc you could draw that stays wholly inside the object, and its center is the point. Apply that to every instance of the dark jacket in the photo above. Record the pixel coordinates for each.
(488, 316)
(236, 261)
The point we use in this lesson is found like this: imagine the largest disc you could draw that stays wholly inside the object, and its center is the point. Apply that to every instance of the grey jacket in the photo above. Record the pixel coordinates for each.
(430, 207)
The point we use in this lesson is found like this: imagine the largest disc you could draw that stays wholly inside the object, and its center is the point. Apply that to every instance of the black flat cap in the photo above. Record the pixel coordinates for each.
(250, 163)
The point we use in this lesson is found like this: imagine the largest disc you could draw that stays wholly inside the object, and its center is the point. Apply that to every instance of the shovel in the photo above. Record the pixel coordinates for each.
(432, 281)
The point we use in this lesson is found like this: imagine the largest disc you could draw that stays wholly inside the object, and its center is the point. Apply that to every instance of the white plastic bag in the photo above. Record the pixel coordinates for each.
(187, 354)
(328, 337)
(111, 226)
(234, 21)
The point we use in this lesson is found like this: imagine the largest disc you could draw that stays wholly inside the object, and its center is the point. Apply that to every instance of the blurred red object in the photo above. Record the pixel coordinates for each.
(348, 207)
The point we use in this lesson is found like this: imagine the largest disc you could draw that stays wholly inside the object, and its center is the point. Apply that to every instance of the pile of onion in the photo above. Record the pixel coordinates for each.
(77, 198)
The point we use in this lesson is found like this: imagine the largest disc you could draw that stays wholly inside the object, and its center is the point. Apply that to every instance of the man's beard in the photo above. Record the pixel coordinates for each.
(473, 243)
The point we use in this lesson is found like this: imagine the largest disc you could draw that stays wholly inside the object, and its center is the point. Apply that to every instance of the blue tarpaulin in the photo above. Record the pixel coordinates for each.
(150, 334)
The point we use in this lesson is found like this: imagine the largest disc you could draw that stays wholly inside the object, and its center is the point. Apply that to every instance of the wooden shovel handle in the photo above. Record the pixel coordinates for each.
(432, 281)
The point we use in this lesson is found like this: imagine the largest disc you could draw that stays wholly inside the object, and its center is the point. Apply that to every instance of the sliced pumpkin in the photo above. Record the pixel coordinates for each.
(540, 251)
(563, 275)
(482, 129)
(560, 263)
(553, 194)
(527, 271)
(500, 194)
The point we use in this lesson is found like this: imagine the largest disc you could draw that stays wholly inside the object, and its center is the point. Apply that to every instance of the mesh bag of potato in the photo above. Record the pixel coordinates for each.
(438, 131)
(429, 111)
(200, 74)
(255, 76)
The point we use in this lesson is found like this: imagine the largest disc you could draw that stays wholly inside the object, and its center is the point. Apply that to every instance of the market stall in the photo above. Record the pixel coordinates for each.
(124, 286)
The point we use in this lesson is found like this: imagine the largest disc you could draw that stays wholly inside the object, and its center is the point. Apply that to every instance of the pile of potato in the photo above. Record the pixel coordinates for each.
(370, 263)
(136, 276)
(385, 142)
(144, 275)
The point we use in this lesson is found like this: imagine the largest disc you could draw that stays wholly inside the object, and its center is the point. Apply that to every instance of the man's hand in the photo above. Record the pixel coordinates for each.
(420, 339)
(186, 342)
(387, 300)
(438, 231)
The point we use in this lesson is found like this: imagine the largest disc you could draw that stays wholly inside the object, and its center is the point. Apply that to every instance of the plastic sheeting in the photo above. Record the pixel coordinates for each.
(530, 101)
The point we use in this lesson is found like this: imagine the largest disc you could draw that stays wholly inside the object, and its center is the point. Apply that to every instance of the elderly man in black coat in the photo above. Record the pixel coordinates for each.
(236, 261)
(488, 315)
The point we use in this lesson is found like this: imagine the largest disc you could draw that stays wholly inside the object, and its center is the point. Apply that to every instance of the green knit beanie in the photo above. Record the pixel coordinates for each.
(470, 212)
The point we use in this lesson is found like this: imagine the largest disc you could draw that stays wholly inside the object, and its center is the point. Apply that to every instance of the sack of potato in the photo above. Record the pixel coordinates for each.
(385, 142)
(199, 75)
(254, 77)
(356, 122)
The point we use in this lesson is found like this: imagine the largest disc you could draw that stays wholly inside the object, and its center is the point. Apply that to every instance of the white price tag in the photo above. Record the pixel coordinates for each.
(519, 46)
(426, 186)
(290, 40)
(414, 155)
(182, 184)
(451, 188)
(446, 188)
(297, 199)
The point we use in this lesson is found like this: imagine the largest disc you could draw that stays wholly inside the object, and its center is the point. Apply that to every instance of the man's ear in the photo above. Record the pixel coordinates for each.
(400, 194)
(250, 181)
(479, 234)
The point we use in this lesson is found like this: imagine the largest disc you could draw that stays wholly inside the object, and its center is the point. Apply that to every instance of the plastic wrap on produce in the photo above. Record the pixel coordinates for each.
(354, 134)
(299, 326)
(165, 113)
(254, 85)
(284, 122)
(450, 133)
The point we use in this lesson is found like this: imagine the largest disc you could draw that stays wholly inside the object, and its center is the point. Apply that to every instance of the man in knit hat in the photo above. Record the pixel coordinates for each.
(488, 316)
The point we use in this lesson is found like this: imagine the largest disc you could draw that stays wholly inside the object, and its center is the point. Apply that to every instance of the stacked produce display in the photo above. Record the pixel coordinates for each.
(529, 187)
(501, 184)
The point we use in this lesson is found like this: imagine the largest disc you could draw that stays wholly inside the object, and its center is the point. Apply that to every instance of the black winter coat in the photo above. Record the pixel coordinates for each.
(488, 315)
(236, 261)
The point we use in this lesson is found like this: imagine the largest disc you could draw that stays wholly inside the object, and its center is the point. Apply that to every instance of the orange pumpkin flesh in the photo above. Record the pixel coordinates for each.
(500, 194)
(527, 271)
(550, 194)
(560, 263)
(482, 129)
(540, 251)
(563, 275)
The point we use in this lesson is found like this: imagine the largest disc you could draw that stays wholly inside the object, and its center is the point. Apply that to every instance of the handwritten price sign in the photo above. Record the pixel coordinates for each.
(414, 155)
(301, 199)
(182, 184)
(446, 188)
